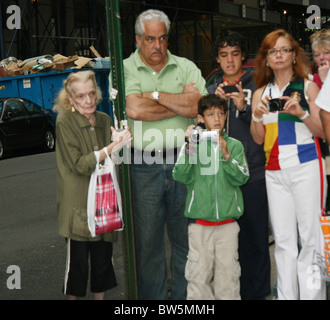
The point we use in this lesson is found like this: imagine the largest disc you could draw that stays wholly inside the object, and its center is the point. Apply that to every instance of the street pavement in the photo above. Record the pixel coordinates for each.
(28, 232)
(29, 240)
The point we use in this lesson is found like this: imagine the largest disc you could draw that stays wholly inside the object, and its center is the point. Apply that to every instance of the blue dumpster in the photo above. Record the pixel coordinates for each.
(42, 88)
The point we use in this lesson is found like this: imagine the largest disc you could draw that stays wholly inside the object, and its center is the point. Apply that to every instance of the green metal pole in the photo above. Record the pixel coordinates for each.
(116, 81)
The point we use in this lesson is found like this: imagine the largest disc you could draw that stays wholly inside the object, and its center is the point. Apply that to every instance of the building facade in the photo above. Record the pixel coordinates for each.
(70, 27)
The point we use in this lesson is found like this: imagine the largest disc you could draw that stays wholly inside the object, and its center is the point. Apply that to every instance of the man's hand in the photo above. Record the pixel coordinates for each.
(190, 88)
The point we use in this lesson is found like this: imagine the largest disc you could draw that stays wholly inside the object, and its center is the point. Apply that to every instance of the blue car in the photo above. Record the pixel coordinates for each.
(24, 124)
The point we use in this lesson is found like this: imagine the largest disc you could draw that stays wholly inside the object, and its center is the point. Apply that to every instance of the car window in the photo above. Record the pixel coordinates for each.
(31, 107)
(15, 107)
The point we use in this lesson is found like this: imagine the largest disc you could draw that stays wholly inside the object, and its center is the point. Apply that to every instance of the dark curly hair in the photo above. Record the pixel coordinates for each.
(232, 39)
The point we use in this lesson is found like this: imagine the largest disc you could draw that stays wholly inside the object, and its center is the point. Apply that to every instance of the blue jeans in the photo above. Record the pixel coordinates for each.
(158, 200)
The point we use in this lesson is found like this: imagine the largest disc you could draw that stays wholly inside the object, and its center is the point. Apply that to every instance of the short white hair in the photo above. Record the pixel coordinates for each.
(150, 15)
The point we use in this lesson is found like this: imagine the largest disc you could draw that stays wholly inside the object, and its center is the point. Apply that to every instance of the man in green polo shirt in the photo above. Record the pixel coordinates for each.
(162, 93)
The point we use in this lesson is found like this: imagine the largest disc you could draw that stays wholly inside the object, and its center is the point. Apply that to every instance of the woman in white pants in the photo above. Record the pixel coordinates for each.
(287, 127)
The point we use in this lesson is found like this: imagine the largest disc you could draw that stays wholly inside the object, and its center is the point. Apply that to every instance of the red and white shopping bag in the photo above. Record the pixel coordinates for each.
(104, 206)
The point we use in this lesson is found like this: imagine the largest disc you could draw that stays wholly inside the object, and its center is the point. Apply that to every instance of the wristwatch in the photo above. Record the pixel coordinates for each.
(155, 95)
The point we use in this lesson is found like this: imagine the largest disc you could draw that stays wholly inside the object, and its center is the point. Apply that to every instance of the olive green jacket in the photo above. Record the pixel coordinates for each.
(76, 141)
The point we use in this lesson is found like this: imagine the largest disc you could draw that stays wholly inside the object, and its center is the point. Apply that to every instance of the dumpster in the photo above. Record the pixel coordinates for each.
(42, 88)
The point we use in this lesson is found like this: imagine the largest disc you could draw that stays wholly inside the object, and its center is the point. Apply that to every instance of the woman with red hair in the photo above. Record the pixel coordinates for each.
(287, 126)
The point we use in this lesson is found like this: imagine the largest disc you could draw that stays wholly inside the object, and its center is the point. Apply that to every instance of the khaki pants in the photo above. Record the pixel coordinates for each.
(212, 269)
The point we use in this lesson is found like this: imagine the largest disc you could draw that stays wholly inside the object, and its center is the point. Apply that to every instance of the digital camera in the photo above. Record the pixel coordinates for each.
(195, 134)
(276, 104)
(198, 134)
(230, 89)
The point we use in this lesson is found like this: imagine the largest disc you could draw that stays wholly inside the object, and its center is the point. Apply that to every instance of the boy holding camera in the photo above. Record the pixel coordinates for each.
(230, 53)
(214, 203)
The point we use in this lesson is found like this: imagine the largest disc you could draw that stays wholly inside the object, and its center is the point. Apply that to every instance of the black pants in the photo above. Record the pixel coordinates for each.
(253, 242)
(77, 265)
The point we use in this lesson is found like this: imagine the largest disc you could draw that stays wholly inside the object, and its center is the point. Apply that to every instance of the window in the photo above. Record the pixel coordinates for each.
(31, 107)
(15, 107)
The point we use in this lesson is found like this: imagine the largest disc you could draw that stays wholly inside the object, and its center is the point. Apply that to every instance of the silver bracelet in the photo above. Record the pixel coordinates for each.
(306, 115)
(255, 119)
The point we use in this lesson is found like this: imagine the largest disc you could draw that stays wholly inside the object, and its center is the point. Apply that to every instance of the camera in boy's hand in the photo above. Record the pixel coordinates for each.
(198, 134)
(195, 134)
(276, 104)
(230, 89)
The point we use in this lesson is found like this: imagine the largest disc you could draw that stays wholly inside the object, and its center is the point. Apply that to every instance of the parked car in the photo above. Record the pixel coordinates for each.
(24, 124)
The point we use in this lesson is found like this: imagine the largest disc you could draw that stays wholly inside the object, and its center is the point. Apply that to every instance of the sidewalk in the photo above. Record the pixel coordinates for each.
(119, 293)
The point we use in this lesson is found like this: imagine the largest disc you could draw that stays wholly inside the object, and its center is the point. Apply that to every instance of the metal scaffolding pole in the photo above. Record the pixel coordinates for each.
(2, 47)
(116, 81)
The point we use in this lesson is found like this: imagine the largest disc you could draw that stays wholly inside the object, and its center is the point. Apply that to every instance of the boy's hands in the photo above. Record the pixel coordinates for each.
(188, 132)
(223, 147)
(192, 149)
(238, 97)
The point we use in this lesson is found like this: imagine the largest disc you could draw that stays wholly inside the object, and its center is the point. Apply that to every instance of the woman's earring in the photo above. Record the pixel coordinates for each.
(294, 61)
(267, 64)
(73, 109)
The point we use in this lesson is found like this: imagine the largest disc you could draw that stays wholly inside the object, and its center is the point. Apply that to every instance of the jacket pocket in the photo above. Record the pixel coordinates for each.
(79, 224)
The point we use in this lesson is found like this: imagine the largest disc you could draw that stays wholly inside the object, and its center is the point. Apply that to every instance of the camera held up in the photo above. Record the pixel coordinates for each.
(276, 104)
(198, 134)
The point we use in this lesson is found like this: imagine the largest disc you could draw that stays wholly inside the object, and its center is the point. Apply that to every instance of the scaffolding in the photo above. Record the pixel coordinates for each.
(72, 26)
(66, 27)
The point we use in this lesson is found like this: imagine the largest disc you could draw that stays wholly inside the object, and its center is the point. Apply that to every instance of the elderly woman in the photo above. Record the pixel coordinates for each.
(292, 162)
(81, 130)
(321, 53)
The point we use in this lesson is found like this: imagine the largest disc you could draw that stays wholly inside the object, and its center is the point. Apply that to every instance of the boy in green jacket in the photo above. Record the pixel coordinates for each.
(213, 171)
